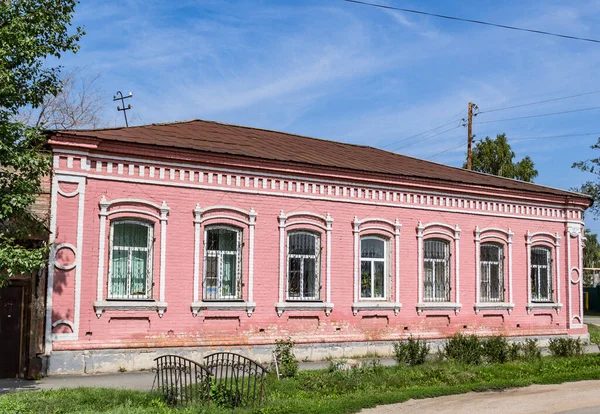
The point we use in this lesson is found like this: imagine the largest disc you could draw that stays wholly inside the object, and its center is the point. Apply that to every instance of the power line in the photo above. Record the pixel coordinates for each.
(419, 134)
(554, 136)
(503, 26)
(425, 139)
(538, 116)
(446, 150)
(536, 103)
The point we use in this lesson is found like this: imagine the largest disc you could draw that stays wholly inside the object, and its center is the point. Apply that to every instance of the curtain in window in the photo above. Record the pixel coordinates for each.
(222, 278)
(130, 260)
(541, 275)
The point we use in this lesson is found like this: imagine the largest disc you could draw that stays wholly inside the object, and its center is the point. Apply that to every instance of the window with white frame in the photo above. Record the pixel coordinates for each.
(373, 267)
(491, 262)
(436, 265)
(541, 274)
(130, 271)
(222, 263)
(303, 256)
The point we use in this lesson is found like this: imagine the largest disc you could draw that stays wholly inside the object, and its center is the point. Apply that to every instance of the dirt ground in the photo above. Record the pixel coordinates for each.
(581, 397)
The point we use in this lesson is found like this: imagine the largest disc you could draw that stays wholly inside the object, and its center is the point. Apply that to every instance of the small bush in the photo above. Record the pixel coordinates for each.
(530, 349)
(463, 348)
(286, 360)
(514, 351)
(411, 352)
(565, 347)
(497, 350)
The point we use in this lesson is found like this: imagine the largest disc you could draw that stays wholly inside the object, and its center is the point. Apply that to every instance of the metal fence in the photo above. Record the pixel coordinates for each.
(238, 381)
(226, 379)
(182, 381)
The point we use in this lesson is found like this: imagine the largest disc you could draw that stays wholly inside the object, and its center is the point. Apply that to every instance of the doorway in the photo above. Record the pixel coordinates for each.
(11, 330)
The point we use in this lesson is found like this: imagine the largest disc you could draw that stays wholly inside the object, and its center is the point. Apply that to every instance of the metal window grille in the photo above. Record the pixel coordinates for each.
(373, 267)
(304, 251)
(491, 262)
(130, 263)
(437, 271)
(541, 275)
(222, 263)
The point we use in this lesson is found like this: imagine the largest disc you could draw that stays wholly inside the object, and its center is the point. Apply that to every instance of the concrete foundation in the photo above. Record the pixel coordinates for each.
(115, 360)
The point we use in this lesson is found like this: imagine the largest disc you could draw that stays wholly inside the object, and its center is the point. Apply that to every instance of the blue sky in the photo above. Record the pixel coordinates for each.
(357, 74)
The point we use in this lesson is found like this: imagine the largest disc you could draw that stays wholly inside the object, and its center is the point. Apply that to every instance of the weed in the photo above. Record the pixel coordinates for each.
(530, 349)
(466, 349)
(497, 350)
(411, 352)
(122, 369)
(565, 347)
(286, 360)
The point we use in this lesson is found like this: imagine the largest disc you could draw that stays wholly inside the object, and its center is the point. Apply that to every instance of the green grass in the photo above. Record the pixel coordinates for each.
(327, 392)
(594, 332)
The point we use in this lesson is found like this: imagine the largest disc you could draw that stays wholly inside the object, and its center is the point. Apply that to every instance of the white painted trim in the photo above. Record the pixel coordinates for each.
(482, 306)
(73, 249)
(316, 197)
(248, 307)
(164, 211)
(537, 237)
(296, 178)
(421, 233)
(326, 307)
(105, 205)
(392, 296)
(64, 322)
(135, 211)
(134, 201)
(375, 306)
(122, 305)
(543, 305)
(480, 236)
(55, 191)
(283, 224)
(200, 218)
(197, 243)
(452, 306)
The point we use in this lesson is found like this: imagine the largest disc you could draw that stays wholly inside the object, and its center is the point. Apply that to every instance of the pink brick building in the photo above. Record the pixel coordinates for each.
(193, 236)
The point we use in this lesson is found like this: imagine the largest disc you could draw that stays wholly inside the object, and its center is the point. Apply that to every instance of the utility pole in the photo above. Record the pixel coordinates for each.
(120, 97)
(470, 135)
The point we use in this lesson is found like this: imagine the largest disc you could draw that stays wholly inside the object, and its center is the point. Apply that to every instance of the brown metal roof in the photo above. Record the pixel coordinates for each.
(258, 143)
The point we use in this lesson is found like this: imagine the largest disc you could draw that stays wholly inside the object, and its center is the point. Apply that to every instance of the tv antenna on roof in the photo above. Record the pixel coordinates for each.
(119, 96)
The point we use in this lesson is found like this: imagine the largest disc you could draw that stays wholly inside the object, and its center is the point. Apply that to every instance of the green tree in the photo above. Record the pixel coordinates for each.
(494, 156)
(591, 187)
(591, 255)
(32, 32)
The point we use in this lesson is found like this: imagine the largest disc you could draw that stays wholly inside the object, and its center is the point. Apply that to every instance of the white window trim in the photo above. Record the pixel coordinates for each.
(212, 213)
(115, 207)
(544, 239)
(452, 233)
(219, 255)
(377, 226)
(149, 259)
(491, 234)
(316, 257)
(308, 220)
(372, 261)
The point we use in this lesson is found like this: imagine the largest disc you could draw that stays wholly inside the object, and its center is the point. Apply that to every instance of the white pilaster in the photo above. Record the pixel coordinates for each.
(329, 221)
(197, 244)
(252, 224)
(281, 254)
(164, 211)
(397, 226)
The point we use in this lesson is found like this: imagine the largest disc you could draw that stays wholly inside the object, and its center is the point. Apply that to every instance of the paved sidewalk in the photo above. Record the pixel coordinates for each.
(139, 380)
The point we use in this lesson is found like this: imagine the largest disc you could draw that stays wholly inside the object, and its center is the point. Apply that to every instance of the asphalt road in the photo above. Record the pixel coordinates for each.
(581, 397)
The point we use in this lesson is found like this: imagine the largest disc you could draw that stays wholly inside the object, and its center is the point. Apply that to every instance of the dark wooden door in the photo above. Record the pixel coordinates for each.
(11, 322)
